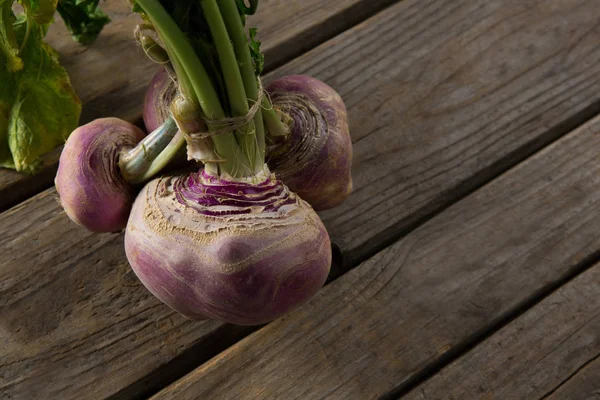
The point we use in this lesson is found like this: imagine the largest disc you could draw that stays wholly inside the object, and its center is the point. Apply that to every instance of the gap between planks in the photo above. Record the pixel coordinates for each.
(549, 352)
(415, 37)
(584, 384)
(287, 30)
(419, 382)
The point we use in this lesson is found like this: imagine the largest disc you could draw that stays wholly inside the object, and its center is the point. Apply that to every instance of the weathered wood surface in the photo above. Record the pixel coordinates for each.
(382, 325)
(585, 385)
(112, 75)
(533, 355)
(416, 159)
(444, 95)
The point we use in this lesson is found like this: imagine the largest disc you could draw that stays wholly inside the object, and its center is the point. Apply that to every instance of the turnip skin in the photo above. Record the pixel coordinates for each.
(240, 253)
(161, 92)
(91, 189)
(315, 161)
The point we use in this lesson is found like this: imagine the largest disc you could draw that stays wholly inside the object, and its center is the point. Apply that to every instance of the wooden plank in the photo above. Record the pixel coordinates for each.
(75, 321)
(445, 95)
(532, 355)
(44, 254)
(585, 385)
(382, 325)
(112, 75)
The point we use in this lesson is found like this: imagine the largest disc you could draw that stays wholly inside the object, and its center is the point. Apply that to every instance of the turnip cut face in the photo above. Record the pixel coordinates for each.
(316, 159)
(91, 188)
(243, 253)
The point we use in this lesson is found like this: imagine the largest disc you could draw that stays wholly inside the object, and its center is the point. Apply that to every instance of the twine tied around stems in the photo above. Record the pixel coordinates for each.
(229, 124)
(154, 48)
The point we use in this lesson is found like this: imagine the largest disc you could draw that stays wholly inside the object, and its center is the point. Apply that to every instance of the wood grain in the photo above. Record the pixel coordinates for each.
(111, 76)
(585, 385)
(72, 312)
(74, 319)
(380, 326)
(532, 355)
(444, 95)
(401, 155)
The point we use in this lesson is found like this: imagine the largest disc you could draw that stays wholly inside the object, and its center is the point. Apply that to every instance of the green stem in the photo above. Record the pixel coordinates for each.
(8, 42)
(153, 50)
(134, 162)
(27, 31)
(183, 55)
(163, 159)
(233, 80)
(183, 81)
(176, 41)
(234, 25)
(273, 122)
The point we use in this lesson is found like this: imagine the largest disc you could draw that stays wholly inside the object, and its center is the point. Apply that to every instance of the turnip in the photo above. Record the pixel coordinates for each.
(239, 252)
(315, 158)
(101, 162)
(159, 96)
(230, 242)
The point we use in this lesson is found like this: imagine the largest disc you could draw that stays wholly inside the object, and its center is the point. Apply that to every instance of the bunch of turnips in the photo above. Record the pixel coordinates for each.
(237, 239)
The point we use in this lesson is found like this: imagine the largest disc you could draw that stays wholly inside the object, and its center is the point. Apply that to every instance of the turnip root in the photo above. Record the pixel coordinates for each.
(315, 159)
(101, 162)
(234, 251)
(91, 188)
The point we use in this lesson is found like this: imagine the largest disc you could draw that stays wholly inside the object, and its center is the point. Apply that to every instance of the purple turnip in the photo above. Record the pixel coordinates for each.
(160, 94)
(315, 159)
(100, 164)
(231, 242)
(91, 189)
(234, 251)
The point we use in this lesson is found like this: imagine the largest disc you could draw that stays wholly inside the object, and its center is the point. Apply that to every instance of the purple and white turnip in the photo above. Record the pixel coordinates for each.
(240, 252)
(231, 242)
(100, 164)
(91, 188)
(315, 159)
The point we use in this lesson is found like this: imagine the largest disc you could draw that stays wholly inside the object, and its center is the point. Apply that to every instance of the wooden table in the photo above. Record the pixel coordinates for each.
(466, 261)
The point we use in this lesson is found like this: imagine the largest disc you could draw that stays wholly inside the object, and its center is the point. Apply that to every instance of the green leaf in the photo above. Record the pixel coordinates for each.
(42, 11)
(8, 42)
(40, 103)
(258, 58)
(83, 19)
